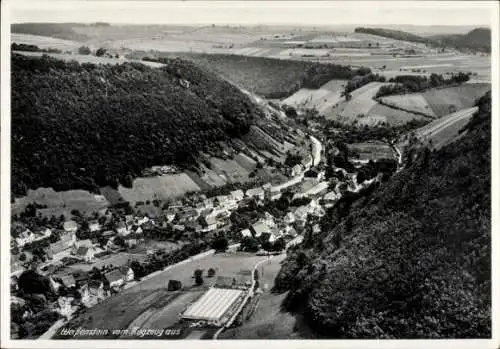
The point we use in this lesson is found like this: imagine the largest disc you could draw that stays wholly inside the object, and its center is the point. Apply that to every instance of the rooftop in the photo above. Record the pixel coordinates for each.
(213, 304)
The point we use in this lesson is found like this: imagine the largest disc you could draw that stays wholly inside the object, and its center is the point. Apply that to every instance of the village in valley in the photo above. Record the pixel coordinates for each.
(90, 257)
(189, 182)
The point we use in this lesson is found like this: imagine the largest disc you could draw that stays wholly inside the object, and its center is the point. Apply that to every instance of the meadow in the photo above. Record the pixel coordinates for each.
(162, 187)
(60, 203)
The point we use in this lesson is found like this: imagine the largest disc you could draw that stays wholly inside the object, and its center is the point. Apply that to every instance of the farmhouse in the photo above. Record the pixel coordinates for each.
(58, 250)
(121, 228)
(96, 288)
(237, 195)
(256, 192)
(259, 228)
(211, 223)
(222, 200)
(245, 233)
(115, 278)
(26, 237)
(94, 226)
(307, 161)
(297, 169)
(127, 272)
(216, 306)
(68, 280)
(85, 253)
(70, 226)
(69, 238)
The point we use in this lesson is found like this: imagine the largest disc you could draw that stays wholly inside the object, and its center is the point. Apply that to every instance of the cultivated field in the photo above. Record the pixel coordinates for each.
(445, 130)
(391, 116)
(371, 151)
(358, 106)
(447, 100)
(62, 202)
(410, 102)
(162, 187)
(44, 42)
(230, 169)
(321, 99)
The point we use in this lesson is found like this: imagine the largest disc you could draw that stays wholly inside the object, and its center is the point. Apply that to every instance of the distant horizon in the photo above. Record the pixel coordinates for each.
(271, 13)
(265, 24)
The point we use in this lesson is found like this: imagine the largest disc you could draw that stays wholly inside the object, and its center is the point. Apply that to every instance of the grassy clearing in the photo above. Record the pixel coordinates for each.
(118, 259)
(447, 100)
(413, 102)
(44, 41)
(62, 202)
(233, 171)
(321, 99)
(393, 117)
(162, 187)
(358, 106)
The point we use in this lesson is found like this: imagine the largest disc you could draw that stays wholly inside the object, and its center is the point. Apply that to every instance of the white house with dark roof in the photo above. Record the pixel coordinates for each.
(245, 233)
(237, 195)
(85, 253)
(68, 280)
(94, 226)
(59, 249)
(115, 278)
(259, 228)
(255, 193)
(70, 226)
(26, 237)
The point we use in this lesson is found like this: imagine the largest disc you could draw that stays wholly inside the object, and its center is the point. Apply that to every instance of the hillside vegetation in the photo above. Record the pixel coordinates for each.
(55, 30)
(478, 39)
(270, 77)
(410, 260)
(84, 126)
(395, 34)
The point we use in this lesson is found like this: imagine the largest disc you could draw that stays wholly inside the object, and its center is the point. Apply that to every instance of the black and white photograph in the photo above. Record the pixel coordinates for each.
(249, 170)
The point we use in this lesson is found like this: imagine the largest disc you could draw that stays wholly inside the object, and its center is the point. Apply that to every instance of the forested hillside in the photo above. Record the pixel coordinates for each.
(55, 30)
(270, 77)
(395, 34)
(410, 260)
(478, 39)
(86, 126)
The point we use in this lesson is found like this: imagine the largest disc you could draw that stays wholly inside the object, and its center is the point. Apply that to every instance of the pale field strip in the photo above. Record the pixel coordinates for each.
(44, 41)
(414, 102)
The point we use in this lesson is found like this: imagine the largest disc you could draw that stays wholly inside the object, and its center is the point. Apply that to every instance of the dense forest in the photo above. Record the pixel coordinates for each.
(32, 48)
(395, 34)
(412, 258)
(86, 126)
(478, 39)
(55, 30)
(270, 77)
(414, 83)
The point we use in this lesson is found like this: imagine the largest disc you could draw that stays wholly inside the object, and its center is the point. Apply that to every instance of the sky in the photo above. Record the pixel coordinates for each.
(254, 12)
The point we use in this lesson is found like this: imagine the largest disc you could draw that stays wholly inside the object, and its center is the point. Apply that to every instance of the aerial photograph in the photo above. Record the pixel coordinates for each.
(249, 170)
